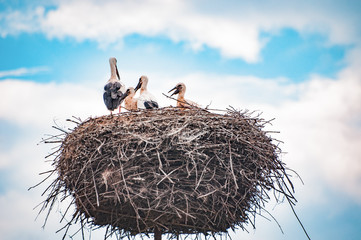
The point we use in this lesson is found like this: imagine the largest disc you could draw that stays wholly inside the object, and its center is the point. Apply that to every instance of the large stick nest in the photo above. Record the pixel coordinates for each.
(181, 171)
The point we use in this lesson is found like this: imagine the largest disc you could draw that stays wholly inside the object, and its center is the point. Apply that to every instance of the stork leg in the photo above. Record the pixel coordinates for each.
(157, 234)
(120, 108)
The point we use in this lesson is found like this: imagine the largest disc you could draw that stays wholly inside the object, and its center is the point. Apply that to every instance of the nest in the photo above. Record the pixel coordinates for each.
(176, 171)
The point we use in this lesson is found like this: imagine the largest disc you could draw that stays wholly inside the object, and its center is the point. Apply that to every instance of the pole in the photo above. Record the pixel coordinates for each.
(157, 234)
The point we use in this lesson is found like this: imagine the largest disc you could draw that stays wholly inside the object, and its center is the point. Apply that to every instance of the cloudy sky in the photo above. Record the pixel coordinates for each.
(296, 61)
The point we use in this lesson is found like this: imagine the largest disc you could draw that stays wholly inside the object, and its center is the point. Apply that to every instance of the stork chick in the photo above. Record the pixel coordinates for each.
(180, 89)
(146, 99)
(130, 103)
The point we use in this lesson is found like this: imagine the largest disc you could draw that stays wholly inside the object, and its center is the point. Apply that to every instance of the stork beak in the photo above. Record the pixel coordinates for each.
(116, 68)
(138, 86)
(124, 96)
(175, 92)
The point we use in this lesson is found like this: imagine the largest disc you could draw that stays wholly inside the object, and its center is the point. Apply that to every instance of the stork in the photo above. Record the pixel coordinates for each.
(130, 102)
(180, 89)
(114, 88)
(146, 99)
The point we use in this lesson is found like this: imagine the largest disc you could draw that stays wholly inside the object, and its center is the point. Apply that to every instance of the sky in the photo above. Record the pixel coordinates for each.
(296, 61)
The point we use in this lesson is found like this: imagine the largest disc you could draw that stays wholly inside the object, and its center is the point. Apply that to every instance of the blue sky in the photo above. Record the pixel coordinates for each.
(298, 62)
(287, 54)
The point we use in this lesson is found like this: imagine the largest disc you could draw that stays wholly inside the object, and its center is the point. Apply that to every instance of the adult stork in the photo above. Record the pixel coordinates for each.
(146, 99)
(114, 88)
(130, 103)
(180, 89)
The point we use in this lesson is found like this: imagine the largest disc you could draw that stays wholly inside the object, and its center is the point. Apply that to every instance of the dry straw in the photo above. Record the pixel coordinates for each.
(167, 170)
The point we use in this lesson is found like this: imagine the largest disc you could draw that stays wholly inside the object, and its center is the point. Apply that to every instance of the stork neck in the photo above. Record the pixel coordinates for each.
(113, 71)
(181, 101)
(181, 94)
(181, 97)
(143, 88)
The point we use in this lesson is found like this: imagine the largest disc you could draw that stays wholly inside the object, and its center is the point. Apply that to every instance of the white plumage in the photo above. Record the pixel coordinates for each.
(145, 100)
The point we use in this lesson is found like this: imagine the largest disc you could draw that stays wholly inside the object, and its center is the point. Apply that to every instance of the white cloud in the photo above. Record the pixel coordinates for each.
(22, 72)
(33, 104)
(233, 30)
(112, 20)
(16, 22)
(322, 134)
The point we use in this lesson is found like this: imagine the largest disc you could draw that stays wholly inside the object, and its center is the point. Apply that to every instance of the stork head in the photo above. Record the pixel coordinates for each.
(113, 61)
(143, 82)
(179, 88)
(130, 92)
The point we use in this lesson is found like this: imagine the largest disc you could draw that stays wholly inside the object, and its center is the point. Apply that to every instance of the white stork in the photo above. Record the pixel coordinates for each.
(180, 89)
(130, 103)
(146, 99)
(114, 89)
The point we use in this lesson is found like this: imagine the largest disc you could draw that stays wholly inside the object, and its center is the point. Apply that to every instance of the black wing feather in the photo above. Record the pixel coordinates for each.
(150, 104)
(112, 95)
(117, 85)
